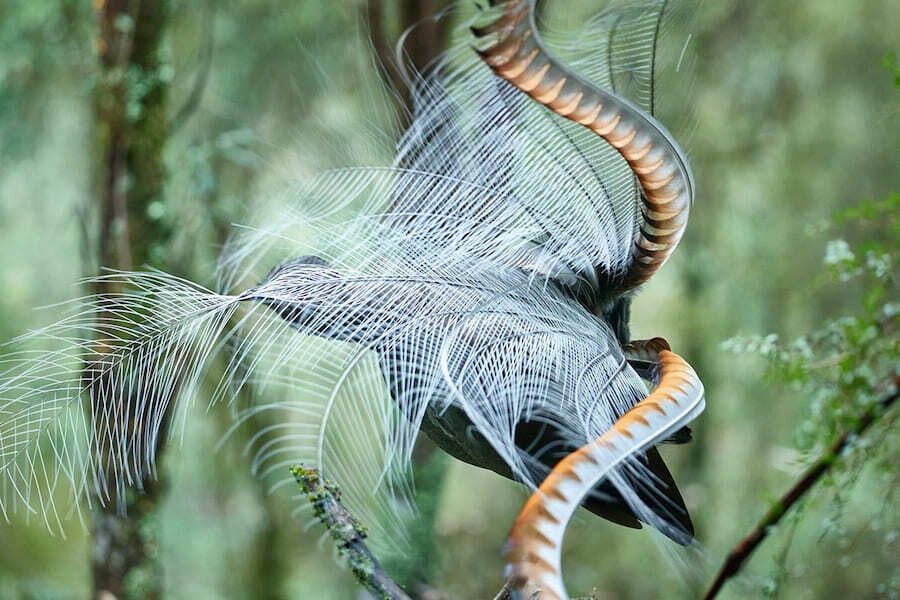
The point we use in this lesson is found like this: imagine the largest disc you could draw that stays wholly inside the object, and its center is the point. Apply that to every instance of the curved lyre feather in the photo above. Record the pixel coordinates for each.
(518, 56)
(533, 552)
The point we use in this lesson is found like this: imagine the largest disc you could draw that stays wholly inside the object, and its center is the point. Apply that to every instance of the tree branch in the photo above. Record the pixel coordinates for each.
(348, 533)
(742, 551)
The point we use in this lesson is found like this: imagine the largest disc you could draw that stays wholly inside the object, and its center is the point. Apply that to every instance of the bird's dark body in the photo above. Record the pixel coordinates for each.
(453, 432)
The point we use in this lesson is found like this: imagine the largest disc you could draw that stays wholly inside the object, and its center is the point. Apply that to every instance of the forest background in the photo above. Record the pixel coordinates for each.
(783, 295)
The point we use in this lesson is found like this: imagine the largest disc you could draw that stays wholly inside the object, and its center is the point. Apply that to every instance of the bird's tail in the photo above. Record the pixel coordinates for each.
(86, 403)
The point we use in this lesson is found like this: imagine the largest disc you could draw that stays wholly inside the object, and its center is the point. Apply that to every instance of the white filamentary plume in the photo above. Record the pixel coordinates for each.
(466, 283)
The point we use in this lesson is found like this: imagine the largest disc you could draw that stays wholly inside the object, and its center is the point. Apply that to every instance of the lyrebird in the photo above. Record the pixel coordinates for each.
(476, 291)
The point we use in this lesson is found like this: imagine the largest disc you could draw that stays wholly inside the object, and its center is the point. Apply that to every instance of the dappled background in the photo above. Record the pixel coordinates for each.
(794, 118)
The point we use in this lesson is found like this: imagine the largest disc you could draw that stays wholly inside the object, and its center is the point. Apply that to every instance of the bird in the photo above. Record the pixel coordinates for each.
(476, 291)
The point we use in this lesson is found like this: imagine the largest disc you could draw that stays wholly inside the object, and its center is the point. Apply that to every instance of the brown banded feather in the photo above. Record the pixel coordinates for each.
(536, 534)
(650, 151)
(654, 406)
(663, 218)
(622, 139)
(504, 52)
(641, 167)
(587, 111)
(542, 512)
(660, 230)
(640, 152)
(570, 106)
(605, 128)
(641, 420)
(508, 20)
(555, 493)
(529, 80)
(550, 92)
(539, 531)
(513, 70)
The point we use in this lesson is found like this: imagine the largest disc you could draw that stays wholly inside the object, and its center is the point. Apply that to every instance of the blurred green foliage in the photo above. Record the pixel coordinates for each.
(844, 369)
(846, 365)
(795, 118)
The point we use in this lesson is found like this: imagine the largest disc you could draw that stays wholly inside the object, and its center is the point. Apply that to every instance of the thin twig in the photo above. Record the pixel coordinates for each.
(348, 533)
(742, 551)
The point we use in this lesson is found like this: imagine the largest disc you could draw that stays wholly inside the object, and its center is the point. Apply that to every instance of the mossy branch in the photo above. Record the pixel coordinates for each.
(348, 533)
(744, 548)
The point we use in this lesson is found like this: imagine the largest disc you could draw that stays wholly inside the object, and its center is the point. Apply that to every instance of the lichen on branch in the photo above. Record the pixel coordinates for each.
(347, 532)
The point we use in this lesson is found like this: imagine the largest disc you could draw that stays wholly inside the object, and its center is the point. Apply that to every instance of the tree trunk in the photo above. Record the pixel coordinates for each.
(427, 40)
(132, 129)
